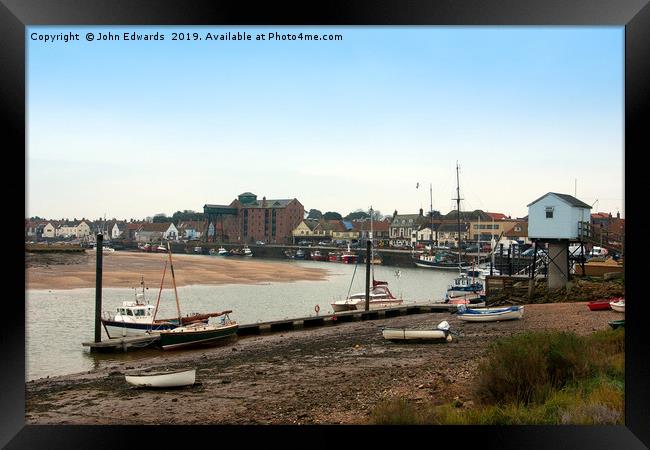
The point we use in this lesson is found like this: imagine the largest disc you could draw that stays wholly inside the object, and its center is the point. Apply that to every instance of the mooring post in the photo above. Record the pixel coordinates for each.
(98, 289)
(368, 250)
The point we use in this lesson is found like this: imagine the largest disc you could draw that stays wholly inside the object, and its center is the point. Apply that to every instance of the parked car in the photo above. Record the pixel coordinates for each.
(304, 243)
(324, 243)
(471, 249)
(260, 243)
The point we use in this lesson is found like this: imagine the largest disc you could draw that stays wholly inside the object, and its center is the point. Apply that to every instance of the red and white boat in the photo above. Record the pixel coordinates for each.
(349, 257)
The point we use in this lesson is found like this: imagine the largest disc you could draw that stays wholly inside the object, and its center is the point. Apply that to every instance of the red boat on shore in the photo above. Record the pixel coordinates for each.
(599, 305)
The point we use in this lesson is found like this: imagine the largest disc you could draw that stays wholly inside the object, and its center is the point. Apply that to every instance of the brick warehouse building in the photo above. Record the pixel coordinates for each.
(247, 220)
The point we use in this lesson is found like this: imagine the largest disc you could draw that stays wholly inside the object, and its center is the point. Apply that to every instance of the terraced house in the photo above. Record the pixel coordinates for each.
(404, 227)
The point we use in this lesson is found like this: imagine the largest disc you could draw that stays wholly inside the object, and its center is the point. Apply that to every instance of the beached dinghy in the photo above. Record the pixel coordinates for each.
(162, 379)
(615, 324)
(618, 305)
(599, 305)
(418, 334)
(490, 314)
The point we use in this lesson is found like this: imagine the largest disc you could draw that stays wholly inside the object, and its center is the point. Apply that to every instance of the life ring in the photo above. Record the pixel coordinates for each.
(317, 309)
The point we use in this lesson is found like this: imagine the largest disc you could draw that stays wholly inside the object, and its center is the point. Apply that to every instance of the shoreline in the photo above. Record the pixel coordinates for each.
(306, 376)
(124, 269)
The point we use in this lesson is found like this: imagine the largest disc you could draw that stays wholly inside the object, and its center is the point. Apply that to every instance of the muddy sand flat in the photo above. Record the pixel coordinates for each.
(330, 375)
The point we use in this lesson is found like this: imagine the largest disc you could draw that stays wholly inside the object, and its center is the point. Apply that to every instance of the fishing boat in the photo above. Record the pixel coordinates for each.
(223, 252)
(463, 285)
(489, 314)
(618, 305)
(440, 260)
(300, 254)
(161, 379)
(599, 305)
(334, 256)
(615, 324)
(441, 332)
(198, 334)
(474, 299)
(349, 257)
(136, 317)
(246, 251)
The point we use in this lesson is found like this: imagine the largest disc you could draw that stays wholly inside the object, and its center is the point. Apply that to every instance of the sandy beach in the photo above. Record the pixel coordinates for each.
(123, 269)
(330, 375)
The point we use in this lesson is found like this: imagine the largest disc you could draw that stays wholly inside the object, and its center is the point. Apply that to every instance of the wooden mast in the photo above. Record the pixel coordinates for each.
(159, 292)
(171, 267)
(458, 215)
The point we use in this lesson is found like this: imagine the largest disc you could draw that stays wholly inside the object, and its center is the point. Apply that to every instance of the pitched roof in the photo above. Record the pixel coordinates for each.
(270, 203)
(497, 216)
(198, 225)
(567, 198)
(162, 226)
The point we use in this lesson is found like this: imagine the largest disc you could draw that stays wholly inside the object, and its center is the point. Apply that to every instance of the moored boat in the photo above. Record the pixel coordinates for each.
(490, 314)
(316, 255)
(618, 305)
(441, 332)
(198, 334)
(161, 379)
(379, 297)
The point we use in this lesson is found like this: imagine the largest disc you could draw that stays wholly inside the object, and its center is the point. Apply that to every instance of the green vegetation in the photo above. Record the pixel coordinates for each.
(534, 378)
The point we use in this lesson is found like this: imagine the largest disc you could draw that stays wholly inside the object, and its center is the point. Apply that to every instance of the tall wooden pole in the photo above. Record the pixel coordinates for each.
(98, 289)
(368, 250)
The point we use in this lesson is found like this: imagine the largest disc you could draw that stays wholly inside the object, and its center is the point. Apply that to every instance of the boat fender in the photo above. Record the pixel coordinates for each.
(317, 309)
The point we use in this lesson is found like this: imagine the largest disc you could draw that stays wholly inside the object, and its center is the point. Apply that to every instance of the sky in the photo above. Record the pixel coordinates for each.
(380, 118)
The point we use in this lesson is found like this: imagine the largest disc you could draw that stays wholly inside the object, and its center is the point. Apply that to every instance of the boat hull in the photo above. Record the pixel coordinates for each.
(196, 336)
(618, 306)
(358, 306)
(491, 314)
(121, 329)
(439, 265)
(413, 334)
(178, 378)
(599, 306)
(616, 324)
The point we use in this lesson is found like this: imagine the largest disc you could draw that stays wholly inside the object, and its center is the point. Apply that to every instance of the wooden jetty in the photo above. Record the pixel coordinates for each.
(144, 341)
(123, 343)
(345, 316)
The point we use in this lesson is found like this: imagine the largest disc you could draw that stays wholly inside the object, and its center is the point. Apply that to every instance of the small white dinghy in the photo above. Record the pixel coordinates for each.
(618, 305)
(421, 334)
(162, 379)
(489, 314)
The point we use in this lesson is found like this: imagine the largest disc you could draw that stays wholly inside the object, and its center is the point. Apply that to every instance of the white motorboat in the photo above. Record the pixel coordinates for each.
(380, 297)
(618, 305)
(489, 314)
(441, 332)
(162, 379)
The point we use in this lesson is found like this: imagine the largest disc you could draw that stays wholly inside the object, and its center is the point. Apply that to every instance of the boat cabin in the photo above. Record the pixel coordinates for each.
(135, 310)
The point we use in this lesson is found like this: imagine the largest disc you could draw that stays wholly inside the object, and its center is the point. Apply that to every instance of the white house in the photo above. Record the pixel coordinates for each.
(557, 216)
(154, 231)
(117, 230)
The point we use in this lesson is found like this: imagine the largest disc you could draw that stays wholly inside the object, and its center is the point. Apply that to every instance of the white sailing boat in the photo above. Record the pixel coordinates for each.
(379, 294)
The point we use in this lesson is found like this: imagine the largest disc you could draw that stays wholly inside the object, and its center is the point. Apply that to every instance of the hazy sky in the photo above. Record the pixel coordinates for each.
(128, 129)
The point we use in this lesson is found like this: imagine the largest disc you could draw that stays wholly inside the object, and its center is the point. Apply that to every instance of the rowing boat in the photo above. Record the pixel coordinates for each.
(162, 379)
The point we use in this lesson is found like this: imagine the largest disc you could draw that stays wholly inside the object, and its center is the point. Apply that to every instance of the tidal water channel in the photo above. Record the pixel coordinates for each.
(58, 321)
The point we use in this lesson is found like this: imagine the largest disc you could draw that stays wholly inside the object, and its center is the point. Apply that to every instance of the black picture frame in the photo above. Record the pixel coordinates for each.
(634, 15)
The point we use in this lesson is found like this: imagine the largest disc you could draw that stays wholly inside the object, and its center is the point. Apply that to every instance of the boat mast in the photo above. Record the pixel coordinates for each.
(431, 214)
(372, 248)
(155, 311)
(458, 199)
(171, 267)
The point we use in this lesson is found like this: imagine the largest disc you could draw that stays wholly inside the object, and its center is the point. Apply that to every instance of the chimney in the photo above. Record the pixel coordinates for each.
(618, 215)
(421, 212)
(394, 214)
(263, 201)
